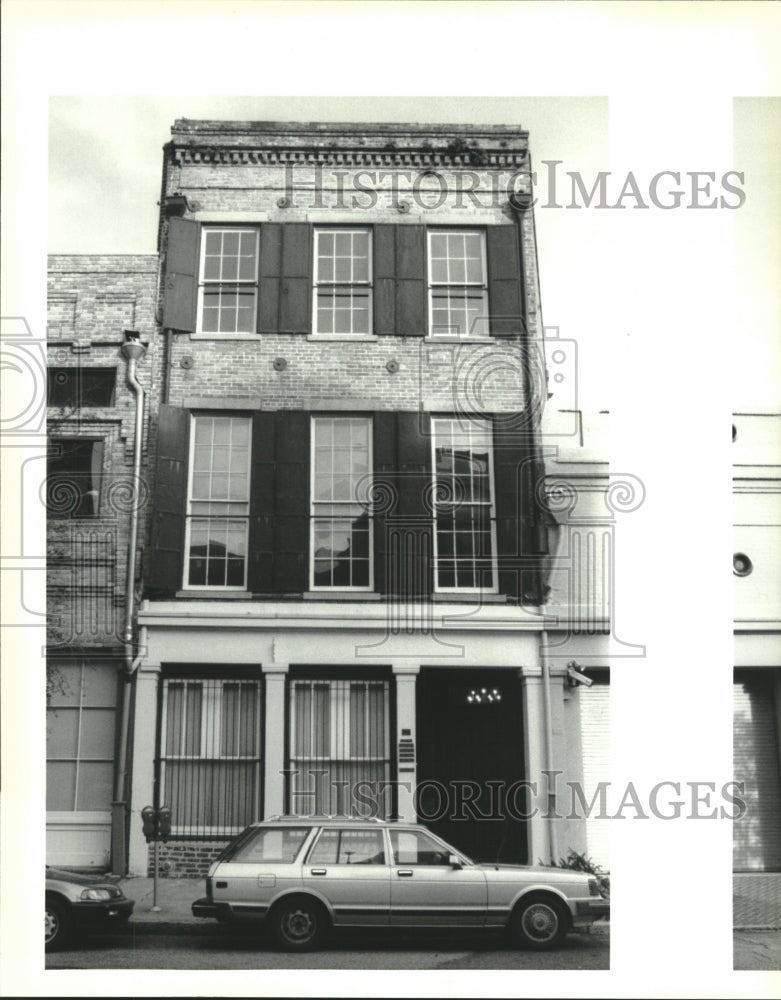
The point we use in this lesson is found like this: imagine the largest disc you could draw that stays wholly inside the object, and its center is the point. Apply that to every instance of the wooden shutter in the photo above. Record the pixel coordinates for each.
(595, 743)
(756, 835)
(270, 273)
(399, 280)
(164, 562)
(296, 288)
(386, 485)
(411, 281)
(410, 561)
(261, 524)
(505, 301)
(291, 520)
(180, 296)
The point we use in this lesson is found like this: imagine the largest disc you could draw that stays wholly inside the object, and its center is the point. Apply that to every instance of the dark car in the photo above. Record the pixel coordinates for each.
(76, 903)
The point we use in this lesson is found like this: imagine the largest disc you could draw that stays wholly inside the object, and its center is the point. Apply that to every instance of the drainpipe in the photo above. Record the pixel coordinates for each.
(520, 202)
(133, 351)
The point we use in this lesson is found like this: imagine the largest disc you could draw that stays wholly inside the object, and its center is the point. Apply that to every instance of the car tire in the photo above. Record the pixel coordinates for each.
(299, 924)
(539, 923)
(58, 925)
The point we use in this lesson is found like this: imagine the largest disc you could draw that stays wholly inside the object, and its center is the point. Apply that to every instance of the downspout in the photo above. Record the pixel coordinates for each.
(133, 351)
(520, 202)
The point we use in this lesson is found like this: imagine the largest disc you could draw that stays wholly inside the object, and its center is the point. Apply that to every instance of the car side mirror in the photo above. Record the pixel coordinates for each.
(454, 861)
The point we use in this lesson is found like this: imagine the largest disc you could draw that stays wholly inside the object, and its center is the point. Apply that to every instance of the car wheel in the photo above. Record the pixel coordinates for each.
(299, 924)
(57, 925)
(540, 923)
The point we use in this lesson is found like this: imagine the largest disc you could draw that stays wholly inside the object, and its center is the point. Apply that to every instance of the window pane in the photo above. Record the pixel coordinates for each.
(62, 733)
(60, 786)
(95, 789)
(97, 733)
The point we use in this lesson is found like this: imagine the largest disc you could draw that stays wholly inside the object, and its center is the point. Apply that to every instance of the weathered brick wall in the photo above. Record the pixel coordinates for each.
(184, 858)
(92, 300)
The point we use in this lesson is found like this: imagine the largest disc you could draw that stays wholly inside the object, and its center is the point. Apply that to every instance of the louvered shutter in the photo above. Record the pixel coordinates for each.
(595, 742)
(296, 287)
(164, 561)
(291, 517)
(505, 302)
(180, 295)
(262, 505)
(410, 561)
(385, 492)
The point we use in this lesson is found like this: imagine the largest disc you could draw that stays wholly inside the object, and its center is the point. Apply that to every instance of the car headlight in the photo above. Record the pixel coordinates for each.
(96, 894)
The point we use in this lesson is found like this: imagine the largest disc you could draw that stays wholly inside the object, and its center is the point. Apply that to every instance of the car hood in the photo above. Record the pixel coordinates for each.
(549, 874)
(77, 878)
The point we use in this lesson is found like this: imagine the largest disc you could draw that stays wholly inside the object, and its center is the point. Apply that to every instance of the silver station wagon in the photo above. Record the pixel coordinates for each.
(304, 876)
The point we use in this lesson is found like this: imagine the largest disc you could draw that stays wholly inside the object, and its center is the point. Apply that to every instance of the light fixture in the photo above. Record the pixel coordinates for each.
(484, 696)
(741, 564)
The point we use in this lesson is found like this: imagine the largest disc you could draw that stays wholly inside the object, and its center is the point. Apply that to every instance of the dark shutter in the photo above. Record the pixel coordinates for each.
(411, 281)
(285, 278)
(296, 290)
(181, 275)
(511, 476)
(165, 558)
(270, 274)
(410, 537)
(291, 522)
(384, 271)
(261, 523)
(400, 280)
(505, 303)
(385, 491)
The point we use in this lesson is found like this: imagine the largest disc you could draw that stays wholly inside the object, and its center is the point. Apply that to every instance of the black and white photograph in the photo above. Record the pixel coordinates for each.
(369, 494)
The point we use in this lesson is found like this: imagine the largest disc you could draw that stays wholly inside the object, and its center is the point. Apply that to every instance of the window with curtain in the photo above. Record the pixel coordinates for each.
(211, 754)
(339, 747)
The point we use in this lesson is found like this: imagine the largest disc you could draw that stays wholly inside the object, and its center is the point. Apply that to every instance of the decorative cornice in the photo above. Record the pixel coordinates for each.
(471, 157)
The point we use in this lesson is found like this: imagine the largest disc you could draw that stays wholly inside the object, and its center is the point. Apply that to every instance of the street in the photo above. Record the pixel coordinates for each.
(224, 948)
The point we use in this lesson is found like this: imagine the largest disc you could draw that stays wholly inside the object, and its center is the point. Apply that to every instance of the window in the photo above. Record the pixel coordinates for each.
(342, 536)
(279, 845)
(228, 281)
(80, 738)
(77, 387)
(74, 468)
(339, 747)
(348, 847)
(464, 536)
(210, 766)
(218, 502)
(411, 847)
(458, 291)
(343, 277)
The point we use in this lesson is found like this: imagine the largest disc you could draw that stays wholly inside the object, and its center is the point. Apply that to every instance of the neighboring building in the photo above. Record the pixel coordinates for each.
(90, 493)
(349, 536)
(757, 691)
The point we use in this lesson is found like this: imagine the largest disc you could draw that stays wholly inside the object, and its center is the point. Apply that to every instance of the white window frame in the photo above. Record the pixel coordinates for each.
(248, 282)
(365, 503)
(432, 285)
(211, 725)
(484, 425)
(189, 516)
(368, 284)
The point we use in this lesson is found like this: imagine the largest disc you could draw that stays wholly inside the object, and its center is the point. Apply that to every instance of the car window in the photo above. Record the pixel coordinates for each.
(277, 845)
(411, 847)
(348, 847)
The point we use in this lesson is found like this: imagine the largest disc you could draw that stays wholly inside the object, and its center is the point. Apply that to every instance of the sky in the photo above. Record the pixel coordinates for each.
(675, 314)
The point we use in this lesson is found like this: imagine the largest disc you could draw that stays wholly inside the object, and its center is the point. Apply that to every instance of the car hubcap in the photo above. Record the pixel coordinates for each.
(51, 925)
(540, 922)
(299, 925)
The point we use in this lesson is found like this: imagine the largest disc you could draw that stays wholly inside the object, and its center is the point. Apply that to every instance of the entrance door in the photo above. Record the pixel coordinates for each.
(470, 759)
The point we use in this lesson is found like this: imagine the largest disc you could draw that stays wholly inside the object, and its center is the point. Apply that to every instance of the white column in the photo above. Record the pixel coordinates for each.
(534, 732)
(142, 760)
(406, 738)
(274, 739)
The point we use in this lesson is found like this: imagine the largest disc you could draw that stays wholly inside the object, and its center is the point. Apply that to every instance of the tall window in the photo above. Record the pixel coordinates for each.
(339, 747)
(218, 502)
(343, 276)
(464, 539)
(80, 738)
(341, 525)
(210, 765)
(74, 468)
(228, 284)
(458, 292)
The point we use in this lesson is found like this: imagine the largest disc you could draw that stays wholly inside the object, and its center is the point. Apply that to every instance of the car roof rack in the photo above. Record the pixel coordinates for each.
(321, 818)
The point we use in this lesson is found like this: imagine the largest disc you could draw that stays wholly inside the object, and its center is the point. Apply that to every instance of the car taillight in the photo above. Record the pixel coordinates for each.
(208, 888)
(593, 887)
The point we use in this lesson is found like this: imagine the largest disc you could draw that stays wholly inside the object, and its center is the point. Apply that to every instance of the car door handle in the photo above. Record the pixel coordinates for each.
(404, 873)
(319, 871)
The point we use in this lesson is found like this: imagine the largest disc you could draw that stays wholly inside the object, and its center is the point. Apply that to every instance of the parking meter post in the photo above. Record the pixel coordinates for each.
(155, 907)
